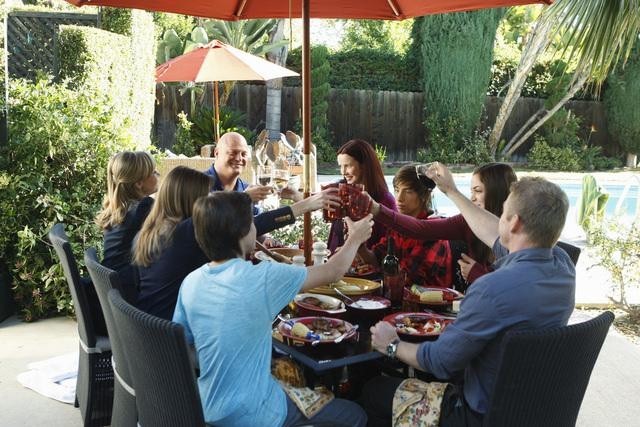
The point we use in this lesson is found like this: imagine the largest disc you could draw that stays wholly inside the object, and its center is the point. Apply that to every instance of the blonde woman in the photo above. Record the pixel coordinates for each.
(167, 251)
(131, 179)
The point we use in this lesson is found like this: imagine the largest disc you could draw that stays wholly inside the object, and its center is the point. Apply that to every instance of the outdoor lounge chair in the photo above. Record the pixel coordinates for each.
(124, 400)
(162, 372)
(571, 250)
(94, 387)
(543, 375)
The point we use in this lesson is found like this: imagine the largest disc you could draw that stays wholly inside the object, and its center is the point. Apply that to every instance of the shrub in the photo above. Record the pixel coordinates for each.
(118, 68)
(52, 170)
(621, 103)
(291, 234)
(617, 246)
(203, 133)
(116, 20)
(442, 140)
(184, 143)
(545, 157)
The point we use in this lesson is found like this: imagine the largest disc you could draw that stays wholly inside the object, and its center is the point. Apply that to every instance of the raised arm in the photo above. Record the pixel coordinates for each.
(483, 223)
(339, 263)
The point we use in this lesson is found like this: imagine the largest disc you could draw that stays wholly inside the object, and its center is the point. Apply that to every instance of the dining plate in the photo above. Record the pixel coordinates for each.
(348, 286)
(323, 330)
(418, 326)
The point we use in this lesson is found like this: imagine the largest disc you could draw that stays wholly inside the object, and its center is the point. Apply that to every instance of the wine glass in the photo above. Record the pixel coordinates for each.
(264, 176)
(280, 179)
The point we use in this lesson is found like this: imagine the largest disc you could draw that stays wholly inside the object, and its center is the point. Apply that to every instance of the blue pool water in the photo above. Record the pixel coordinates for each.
(628, 206)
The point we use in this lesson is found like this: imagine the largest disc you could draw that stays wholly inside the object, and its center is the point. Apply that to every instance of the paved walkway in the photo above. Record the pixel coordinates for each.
(611, 398)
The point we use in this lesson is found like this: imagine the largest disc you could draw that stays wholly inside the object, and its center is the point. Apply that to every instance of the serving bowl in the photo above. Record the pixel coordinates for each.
(319, 305)
(369, 308)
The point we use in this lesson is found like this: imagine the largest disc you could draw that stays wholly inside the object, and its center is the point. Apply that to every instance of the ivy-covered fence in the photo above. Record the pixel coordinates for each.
(31, 38)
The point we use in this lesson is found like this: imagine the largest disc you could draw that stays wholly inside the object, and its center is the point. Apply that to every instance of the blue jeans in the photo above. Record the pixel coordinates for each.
(338, 412)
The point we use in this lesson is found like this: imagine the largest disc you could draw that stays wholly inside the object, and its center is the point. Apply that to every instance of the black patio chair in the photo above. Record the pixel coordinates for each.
(94, 387)
(162, 372)
(124, 399)
(543, 375)
(571, 250)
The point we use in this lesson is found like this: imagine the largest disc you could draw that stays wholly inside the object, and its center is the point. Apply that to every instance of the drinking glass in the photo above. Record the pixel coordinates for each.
(280, 179)
(264, 176)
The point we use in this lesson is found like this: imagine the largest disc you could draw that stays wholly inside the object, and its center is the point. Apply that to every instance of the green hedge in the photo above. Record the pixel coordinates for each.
(364, 69)
(120, 67)
(52, 170)
(621, 103)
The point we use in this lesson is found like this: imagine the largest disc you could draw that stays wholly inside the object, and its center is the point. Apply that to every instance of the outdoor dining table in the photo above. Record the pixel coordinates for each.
(327, 361)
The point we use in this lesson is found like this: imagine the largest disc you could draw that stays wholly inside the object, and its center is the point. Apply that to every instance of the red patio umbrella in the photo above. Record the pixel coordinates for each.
(215, 62)
(233, 10)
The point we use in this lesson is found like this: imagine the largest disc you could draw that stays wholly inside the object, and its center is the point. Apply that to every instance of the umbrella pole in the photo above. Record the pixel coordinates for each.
(216, 102)
(306, 122)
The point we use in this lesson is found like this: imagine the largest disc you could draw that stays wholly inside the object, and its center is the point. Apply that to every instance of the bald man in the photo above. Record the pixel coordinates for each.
(231, 154)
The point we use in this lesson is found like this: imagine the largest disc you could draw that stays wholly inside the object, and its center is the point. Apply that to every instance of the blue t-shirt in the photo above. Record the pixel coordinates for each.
(227, 312)
(530, 289)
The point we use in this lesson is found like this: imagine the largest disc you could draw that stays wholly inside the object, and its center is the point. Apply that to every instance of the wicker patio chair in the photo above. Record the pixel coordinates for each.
(543, 375)
(163, 375)
(571, 250)
(124, 399)
(94, 387)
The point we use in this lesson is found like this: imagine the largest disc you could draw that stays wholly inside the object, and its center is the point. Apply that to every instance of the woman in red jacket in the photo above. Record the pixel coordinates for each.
(490, 185)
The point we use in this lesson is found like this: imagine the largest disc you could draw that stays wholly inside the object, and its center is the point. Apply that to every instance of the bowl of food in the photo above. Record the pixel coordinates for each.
(369, 308)
(418, 297)
(313, 330)
(417, 327)
(319, 305)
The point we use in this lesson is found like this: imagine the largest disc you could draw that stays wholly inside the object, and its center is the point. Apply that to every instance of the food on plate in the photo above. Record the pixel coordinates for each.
(299, 329)
(369, 304)
(344, 286)
(428, 296)
(316, 302)
(420, 325)
(319, 329)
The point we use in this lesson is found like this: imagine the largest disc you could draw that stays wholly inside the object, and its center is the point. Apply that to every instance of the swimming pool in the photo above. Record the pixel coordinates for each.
(627, 207)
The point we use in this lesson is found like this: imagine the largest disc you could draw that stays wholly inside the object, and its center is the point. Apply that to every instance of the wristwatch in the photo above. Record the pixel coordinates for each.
(392, 348)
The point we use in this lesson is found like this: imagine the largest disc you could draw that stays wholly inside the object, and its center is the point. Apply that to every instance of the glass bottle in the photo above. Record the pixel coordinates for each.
(391, 277)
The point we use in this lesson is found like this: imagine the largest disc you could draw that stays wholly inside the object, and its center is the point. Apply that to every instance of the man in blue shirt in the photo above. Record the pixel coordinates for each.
(532, 287)
(231, 157)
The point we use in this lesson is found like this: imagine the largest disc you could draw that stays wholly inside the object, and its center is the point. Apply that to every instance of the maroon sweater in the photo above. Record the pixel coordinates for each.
(451, 228)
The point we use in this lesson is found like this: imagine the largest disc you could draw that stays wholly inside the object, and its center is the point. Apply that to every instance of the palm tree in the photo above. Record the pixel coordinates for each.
(601, 33)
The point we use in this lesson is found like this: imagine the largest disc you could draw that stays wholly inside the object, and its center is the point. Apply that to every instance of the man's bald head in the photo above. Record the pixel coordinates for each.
(232, 153)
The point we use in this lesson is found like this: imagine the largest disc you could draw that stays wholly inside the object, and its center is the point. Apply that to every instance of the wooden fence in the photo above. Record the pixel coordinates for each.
(390, 119)
(31, 38)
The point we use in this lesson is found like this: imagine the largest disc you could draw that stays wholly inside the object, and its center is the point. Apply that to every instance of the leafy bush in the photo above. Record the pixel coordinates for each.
(119, 68)
(116, 20)
(545, 157)
(203, 133)
(442, 140)
(618, 248)
(291, 234)
(52, 170)
(367, 69)
(475, 149)
(621, 103)
(184, 143)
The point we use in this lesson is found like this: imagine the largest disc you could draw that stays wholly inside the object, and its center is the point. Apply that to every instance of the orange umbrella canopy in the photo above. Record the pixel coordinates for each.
(217, 61)
(231, 10)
